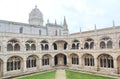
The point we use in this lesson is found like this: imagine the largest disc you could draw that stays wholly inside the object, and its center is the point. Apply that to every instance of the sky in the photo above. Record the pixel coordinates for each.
(82, 14)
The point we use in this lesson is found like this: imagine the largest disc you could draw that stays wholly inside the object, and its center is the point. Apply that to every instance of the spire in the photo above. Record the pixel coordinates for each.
(113, 23)
(95, 27)
(55, 21)
(80, 30)
(65, 26)
(35, 6)
(48, 21)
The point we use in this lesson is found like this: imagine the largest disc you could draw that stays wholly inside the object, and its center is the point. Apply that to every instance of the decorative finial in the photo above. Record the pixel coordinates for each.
(55, 21)
(113, 23)
(35, 6)
(48, 21)
(80, 29)
(95, 27)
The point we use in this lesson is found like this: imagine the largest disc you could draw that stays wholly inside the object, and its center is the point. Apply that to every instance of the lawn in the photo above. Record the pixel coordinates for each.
(79, 75)
(46, 75)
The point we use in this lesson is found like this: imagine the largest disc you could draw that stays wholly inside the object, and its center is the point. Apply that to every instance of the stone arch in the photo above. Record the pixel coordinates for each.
(1, 67)
(60, 44)
(14, 63)
(88, 59)
(102, 45)
(118, 64)
(106, 42)
(32, 61)
(60, 59)
(74, 58)
(89, 43)
(105, 61)
(13, 45)
(44, 45)
(30, 45)
(109, 44)
(46, 60)
(75, 44)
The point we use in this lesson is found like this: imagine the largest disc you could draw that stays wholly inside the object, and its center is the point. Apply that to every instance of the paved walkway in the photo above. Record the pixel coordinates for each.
(60, 74)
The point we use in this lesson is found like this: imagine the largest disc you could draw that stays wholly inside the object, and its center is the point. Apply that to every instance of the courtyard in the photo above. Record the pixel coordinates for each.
(69, 74)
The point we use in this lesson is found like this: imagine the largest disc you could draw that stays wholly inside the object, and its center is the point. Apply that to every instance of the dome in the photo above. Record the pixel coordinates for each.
(36, 17)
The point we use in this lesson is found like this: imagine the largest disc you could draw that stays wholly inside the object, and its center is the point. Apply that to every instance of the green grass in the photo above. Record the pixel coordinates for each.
(46, 75)
(79, 75)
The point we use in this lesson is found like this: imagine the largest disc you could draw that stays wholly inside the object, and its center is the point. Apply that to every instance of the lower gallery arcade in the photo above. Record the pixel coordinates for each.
(34, 63)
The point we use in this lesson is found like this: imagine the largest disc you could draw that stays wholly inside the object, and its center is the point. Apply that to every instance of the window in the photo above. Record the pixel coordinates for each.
(106, 61)
(88, 60)
(31, 62)
(21, 30)
(13, 63)
(39, 32)
(45, 60)
(75, 60)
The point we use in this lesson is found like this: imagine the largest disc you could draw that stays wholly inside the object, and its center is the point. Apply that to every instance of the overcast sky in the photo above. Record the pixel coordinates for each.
(79, 13)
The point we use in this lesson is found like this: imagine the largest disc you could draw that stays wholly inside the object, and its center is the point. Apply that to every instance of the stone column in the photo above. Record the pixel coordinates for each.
(115, 65)
(52, 62)
(96, 64)
(40, 63)
(68, 60)
(50, 46)
(23, 47)
(37, 46)
(24, 65)
(80, 63)
(4, 67)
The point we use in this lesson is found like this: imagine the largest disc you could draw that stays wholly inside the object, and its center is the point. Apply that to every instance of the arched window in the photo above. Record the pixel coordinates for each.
(106, 42)
(102, 45)
(106, 61)
(109, 44)
(9, 47)
(33, 47)
(21, 30)
(30, 45)
(45, 60)
(40, 32)
(88, 60)
(56, 33)
(13, 63)
(86, 46)
(31, 62)
(65, 45)
(75, 44)
(16, 47)
(75, 59)
(13, 45)
(55, 46)
(44, 45)
(89, 44)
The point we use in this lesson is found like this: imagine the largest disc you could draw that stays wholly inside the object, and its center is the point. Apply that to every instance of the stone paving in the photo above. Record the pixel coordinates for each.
(60, 74)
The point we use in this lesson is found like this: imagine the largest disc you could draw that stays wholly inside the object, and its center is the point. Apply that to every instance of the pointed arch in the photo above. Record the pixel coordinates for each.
(14, 63)
(106, 61)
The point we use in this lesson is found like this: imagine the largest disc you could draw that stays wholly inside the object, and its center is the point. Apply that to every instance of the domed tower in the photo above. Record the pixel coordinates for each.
(36, 17)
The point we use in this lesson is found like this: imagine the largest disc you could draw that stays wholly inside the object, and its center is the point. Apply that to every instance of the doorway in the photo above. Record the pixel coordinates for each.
(60, 60)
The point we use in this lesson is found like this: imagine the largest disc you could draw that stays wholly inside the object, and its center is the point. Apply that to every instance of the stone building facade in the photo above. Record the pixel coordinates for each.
(29, 48)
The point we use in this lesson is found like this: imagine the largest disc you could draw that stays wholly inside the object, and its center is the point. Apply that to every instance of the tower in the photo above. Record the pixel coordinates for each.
(65, 27)
(36, 17)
